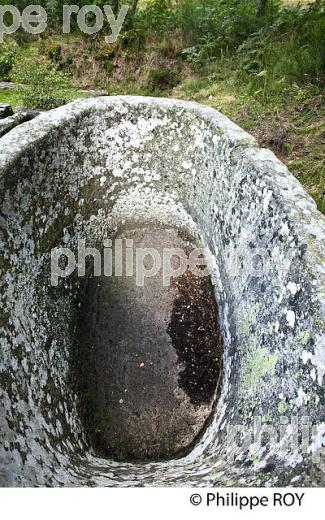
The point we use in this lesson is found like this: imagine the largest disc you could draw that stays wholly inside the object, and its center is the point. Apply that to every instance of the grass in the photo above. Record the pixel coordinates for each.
(10, 97)
(297, 2)
(267, 76)
(14, 97)
(294, 128)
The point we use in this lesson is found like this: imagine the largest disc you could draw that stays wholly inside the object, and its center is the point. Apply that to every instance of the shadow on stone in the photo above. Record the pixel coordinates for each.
(147, 358)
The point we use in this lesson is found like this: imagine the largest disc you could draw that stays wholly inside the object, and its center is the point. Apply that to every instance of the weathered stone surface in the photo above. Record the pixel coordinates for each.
(6, 84)
(14, 120)
(95, 93)
(134, 388)
(82, 170)
(5, 111)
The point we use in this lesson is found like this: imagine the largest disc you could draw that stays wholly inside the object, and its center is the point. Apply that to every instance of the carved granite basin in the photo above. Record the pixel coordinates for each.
(98, 167)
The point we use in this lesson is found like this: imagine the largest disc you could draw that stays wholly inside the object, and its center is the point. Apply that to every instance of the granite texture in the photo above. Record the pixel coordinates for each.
(5, 111)
(10, 121)
(82, 170)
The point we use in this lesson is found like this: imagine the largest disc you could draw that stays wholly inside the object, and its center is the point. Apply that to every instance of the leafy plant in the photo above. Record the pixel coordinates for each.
(41, 84)
(162, 79)
(8, 54)
(288, 51)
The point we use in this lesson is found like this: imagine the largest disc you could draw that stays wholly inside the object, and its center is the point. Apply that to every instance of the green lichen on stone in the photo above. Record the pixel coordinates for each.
(258, 364)
(267, 418)
(304, 337)
(319, 324)
(247, 319)
(270, 329)
(282, 407)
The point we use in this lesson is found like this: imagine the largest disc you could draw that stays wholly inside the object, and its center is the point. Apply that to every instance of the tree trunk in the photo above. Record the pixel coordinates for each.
(262, 8)
(134, 7)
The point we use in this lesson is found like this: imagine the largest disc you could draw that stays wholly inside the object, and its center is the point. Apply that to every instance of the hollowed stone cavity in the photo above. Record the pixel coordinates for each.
(103, 383)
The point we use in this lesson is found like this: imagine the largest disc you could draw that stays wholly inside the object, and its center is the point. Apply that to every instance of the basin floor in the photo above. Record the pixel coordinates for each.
(148, 357)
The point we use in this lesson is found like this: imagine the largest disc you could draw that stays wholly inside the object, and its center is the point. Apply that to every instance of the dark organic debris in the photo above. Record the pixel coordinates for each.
(196, 337)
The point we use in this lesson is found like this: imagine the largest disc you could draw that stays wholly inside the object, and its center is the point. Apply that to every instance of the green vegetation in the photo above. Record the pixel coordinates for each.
(42, 85)
(8, 55)
(260, 62)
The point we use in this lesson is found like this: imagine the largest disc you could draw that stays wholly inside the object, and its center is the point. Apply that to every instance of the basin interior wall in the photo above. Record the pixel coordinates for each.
(84, 170)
